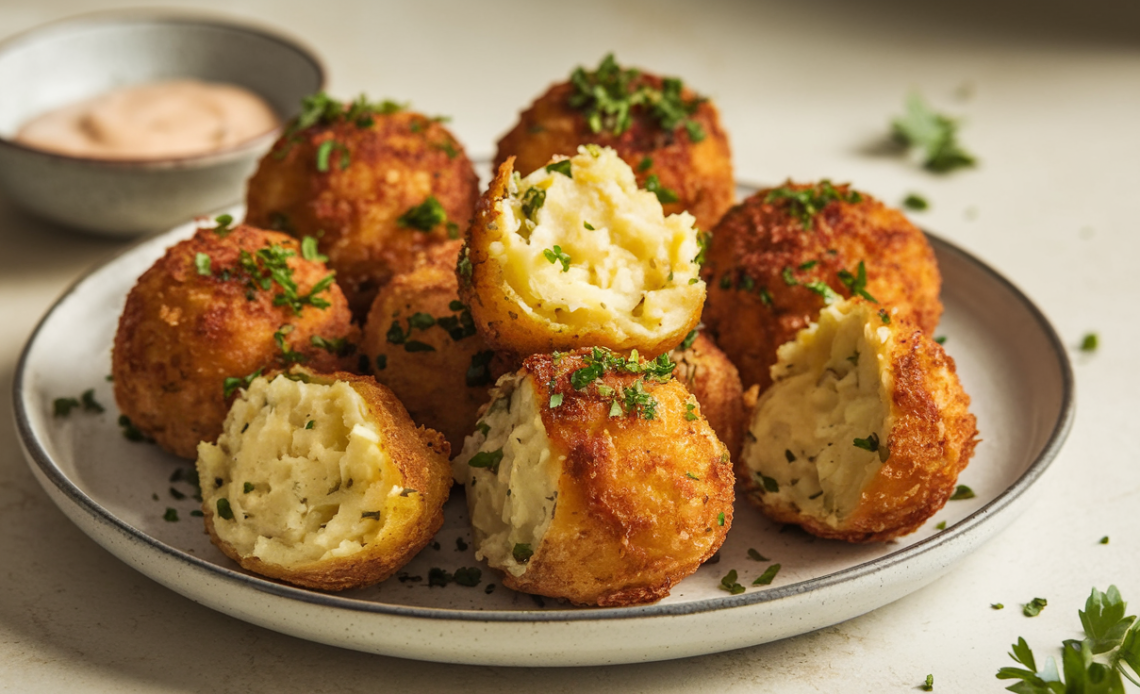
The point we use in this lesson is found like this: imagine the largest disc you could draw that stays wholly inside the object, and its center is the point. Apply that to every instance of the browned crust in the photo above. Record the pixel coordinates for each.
(433, 385)
(394, 165)
(757, 240)
(421, 457)
(639, 500)
(932, 440)
(507, 330)
(700, 173)
(182, 334)
(715, 383)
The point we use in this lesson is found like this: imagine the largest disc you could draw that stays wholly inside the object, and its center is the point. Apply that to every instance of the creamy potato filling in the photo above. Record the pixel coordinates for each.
(581, 245)
(300, 473)
(512, 477)
(819, 434)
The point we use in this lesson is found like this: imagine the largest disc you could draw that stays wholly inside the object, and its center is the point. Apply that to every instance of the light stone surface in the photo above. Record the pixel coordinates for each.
(1049, 102)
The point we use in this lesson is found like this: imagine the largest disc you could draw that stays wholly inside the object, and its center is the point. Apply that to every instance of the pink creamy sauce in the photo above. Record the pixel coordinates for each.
(176, 118)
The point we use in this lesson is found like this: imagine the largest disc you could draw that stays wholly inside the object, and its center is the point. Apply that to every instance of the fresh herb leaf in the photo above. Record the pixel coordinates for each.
(962, 492)
(522, 552)
(469, 576)
(309, 250)
(171, 515)
(1090, 342)
(479, 372)
(562, 167)
(423, 217)
(664, 195)
(326, 149)
(555, 400)
(933, 133)
(488, 460)
(765, 578)
(224, 509)
(61, 407)
(557, 256)
(1034, 607)
(804, 203)
(202, 264)
(233, 383)
(756, 556)
(857, 283)
(730, 583)
(928, 684)
(915, 202)
(222, 224)
(609, 96)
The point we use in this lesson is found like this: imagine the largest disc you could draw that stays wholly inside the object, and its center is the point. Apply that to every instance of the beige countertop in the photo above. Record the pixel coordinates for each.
(806, 89)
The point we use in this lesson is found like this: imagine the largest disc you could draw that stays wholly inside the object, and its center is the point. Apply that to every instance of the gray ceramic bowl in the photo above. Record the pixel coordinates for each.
(68, 61)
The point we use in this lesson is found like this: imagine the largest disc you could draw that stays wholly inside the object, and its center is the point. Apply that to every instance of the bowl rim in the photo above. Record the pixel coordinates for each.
(172, 16)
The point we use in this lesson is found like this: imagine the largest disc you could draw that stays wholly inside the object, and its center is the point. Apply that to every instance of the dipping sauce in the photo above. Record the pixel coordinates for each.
(176, 118)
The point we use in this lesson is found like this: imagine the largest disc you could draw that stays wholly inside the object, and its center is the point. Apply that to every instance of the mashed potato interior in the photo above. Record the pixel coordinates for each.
(832, 386)
(303, 471)
(512, 502)
(619, 261)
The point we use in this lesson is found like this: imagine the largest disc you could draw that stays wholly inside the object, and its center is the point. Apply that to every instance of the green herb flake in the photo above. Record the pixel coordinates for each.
(789, 456)
(804, 203)
(381, 362)
(557, 256)
(588, 226)
(423, 217)
(224, 509)
(1090, 342)
(730, 584)
(62, 407)
(233, 383)
(468, 576)
(941, 339)
(997, 606)
(615, 409)
(522, 552)
(175, 494)
(690, 412)
(928, 684)
(756, 556)
(532, 201)
(664, 195)
(1034, 607)
(309, 250)
(884, 316)
(915, 202)
(555, 400)
(222, 224)
(325, 151)
(488, 460)
(857, 283)
(202, 264)
(962, 492)
(562, 167)
(720, 519)
(645, 164)
(1103, 540)
(940, 526)
(765, 579)
(934, 134)
(171, 515)
(479, 372)
(248, 487)
(374, 515)
(769, 483)
(691, 476)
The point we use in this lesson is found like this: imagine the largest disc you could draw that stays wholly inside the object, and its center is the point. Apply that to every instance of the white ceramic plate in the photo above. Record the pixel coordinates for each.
(116, 491)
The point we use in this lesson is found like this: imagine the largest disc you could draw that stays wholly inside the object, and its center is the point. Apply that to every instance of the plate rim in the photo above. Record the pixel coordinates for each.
(48, 470)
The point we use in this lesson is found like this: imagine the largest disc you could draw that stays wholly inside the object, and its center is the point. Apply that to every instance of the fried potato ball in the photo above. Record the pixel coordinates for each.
(714, 381)
(421, 342)
(864, 431)
(576, 255)
(671, 136)
(784, 253)
(213, 311)
(322, 481)
(595, 478)
(375, 184)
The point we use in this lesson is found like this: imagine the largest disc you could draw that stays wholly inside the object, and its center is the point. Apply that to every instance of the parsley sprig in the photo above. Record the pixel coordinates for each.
(609, 96)
(1099, 663)
(270, 265)
(427, 216)
(935, 134)
(805, 203)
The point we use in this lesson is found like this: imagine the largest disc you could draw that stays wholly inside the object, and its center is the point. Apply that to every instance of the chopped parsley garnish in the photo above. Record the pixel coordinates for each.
(962, 492)
(769, 483)
(872, 443)
(933, 133)
(691, 476)
(420, 321)
(417, 346)
(381, 361)
(463, 268)
(309, 250)
(222, 225)
(532, 201)
(637, 400)
(224, 509)
(522, 552)
(589, 227)
(928, 685)
(1034, 607)
(61, 407)
(232, 383)
(562, 167)
(884, 316)
(438, 578)
(339, 346)
(720, 519)
(730, 583)
(940, 339)
(857, 283)
(557, 256)
(645, 164)
(423, 217)
(664, 195)
(1090, 342)
(288, 356)
(1104, 540)
(703, 240)
(130, 431)
(469, 576)
(690, 411)
(175, 494)
(805, 203)
(825, 292)
(555, 400)
(789, 456)
(479, 373)
(326, 149)
(202, 264)
(997, 606)
(171, 515)
(941, 525)
(915, 202)
(270, 265)
(248, 487)
(487, 459)
(756, 556)
(1109, 634)
(689, 339)
(448, 148)
(608, 98)
(765, 579)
